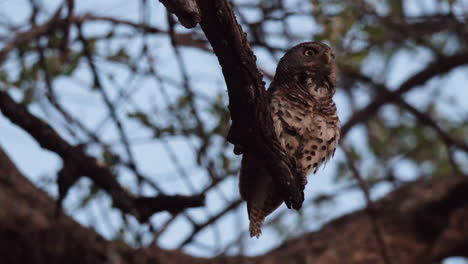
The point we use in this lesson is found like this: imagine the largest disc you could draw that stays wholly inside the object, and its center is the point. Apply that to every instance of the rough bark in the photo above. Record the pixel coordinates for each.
(423, 222)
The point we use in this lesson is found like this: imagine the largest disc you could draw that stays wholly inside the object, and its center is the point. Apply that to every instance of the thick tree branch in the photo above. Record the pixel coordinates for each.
(425, 222)
(78, 163)
(252, 127)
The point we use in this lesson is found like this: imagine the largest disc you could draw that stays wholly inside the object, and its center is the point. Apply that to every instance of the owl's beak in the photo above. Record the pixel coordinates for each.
(324, 58)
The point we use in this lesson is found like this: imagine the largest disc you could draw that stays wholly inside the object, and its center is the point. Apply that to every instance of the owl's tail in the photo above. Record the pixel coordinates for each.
(256, 217)
(258, 190)
(261, 207)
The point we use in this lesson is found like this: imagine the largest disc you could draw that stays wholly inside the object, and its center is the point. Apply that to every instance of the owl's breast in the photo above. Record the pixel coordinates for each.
(310, 136)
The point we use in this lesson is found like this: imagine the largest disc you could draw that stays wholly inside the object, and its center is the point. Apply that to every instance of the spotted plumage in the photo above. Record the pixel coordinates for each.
(305, 122)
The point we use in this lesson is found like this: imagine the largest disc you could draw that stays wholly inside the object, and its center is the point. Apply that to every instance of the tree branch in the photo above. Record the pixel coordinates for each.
(437, 67)
(252, 126)
(56, 22)
(21, 38)
(396, 98)
(425, 222)
(78, 163)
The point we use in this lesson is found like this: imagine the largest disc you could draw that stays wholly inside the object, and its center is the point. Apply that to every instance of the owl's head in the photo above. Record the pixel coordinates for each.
(308, 59)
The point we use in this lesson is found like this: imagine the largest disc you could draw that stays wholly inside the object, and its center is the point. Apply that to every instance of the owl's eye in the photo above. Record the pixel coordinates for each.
(309, 52)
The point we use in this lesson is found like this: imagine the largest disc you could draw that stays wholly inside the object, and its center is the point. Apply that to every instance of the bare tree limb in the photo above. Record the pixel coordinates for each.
(26, 36)
(56, 22)
(84, 165)
(251, 121)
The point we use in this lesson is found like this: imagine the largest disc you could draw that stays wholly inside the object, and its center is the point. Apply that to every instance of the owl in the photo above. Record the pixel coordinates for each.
(305, 123)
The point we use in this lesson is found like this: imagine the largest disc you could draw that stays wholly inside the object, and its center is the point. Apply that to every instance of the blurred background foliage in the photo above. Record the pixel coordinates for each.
(146, 96)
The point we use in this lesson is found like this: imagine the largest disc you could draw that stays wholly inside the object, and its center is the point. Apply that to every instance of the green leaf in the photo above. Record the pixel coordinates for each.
(141, 117)
(109, 158)
(121, 56)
